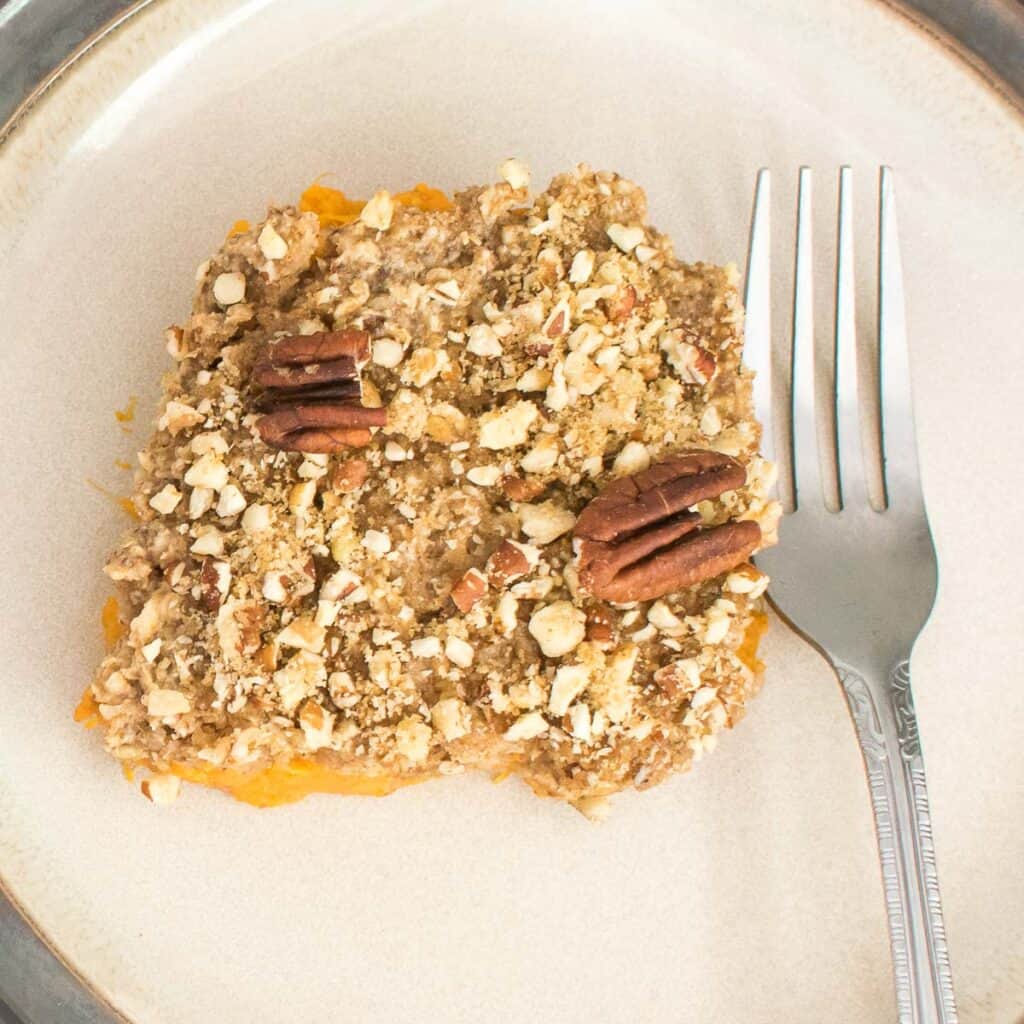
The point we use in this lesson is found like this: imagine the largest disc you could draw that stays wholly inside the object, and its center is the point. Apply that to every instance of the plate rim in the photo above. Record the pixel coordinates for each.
(980, 51)
(997, 64)
(932, 18)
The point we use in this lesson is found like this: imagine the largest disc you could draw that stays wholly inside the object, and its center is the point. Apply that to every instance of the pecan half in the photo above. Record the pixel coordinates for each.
(638, 540)
(311, 393)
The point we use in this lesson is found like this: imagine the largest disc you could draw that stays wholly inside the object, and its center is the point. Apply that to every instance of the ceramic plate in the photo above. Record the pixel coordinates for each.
(748, 890)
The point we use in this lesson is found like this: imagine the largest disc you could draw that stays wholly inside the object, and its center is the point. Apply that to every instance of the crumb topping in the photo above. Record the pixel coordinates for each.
(413, 606)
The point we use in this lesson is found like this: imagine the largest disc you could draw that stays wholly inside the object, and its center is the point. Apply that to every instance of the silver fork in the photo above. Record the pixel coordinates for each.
(857, 582)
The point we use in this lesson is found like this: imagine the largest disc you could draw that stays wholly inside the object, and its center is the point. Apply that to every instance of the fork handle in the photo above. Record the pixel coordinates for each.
(882, 707)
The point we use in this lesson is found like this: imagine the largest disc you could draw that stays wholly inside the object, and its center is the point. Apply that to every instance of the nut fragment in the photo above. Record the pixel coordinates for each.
(677, 677)
(214, 583)
(231, 501)
(209, 542)
(569, 682)
(271, 244)
(450, 717)
(378, 211)
(620, 305)
(179, 416)
(458, 651)
(518, 489)
(301, 495)
(527, 727)
(600, 625)
(388, 353)
(316, 724)
(711, 421)
(510, 562)
(468, 589)
(340, 585)
(507, 427)
(423, 365)
(482, 341)
(256, 519)
(425, 647)
(638, 540)
(693, 363)
(516, 172)
(161, 789)
(229, 288)
(304, 634)
(163, 703)
(634, 458)
(274, 589)
(582, 267)
(165, 501)
(545, 522)
(412, 739)
(626, 237)
(542, 456)
(349, 476)
(484, 476)
(207, 471)
(747, 580)
(557, 322)
(558, 628)
(377, 541)
(536, 379)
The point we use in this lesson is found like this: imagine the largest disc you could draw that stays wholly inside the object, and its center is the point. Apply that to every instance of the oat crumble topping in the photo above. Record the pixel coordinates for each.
(413, 607)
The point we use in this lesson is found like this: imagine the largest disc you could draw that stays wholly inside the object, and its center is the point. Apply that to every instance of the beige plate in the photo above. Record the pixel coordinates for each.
(748, 891)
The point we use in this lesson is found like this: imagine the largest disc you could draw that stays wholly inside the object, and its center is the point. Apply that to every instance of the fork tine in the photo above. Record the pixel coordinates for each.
(757, 346)
(806, 471)
(852, 485)
(899, 445)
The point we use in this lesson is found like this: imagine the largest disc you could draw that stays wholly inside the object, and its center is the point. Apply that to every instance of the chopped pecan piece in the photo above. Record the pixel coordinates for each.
(468, 589)
(349, 476)
(517, 489)
(694, 363)
(509, 562)
(214, 577)
(600, 625)
(312, 395)
(266, 657)
(638, 539)
(667, 680)
(620, 305)
(557, 323)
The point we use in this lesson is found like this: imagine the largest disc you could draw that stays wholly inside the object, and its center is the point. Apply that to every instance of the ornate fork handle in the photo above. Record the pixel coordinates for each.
(883, 711)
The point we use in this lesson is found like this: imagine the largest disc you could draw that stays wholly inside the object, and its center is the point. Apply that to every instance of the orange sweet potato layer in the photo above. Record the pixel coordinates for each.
(333, 207)
(293, 780)
(747, 650)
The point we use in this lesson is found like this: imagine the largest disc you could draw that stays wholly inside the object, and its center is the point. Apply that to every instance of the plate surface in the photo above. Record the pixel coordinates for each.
(746, 891)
